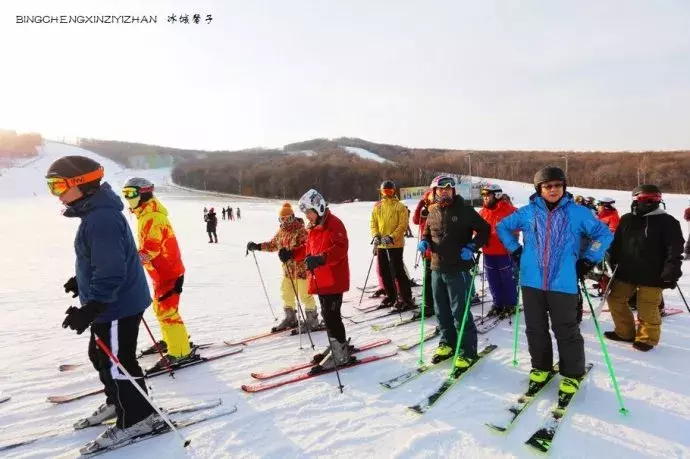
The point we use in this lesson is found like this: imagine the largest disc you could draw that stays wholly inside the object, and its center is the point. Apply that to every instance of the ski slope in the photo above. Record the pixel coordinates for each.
(366, 154)
(223, 300)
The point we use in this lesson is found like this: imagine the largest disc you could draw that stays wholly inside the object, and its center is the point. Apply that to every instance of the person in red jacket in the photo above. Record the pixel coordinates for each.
(686, 217)
(607, 214)
(325, 255)
(498, 264)
(419, 218)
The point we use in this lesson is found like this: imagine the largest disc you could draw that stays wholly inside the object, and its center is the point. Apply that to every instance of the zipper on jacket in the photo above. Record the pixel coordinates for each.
(545, 282)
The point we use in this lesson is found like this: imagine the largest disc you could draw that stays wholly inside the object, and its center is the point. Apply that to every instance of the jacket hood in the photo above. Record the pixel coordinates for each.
(104, 198)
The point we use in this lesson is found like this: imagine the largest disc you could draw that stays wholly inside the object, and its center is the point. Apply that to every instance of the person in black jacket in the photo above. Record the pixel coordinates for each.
(647, 248)
(211, 223)
(449, 231)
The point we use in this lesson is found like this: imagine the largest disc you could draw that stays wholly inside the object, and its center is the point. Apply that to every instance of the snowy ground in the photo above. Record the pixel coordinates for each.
(223, 300)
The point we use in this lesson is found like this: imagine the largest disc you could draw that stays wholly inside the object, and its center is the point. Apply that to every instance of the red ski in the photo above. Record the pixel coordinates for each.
(258, 337)
(307, 375)
(302, 366)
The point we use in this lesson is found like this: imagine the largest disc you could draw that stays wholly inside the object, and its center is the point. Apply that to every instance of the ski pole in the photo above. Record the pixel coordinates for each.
(299, 308)
(623, 410)
(263, 285)
(517, 322)
(605, 295)
(468, 300)
(683, 297)
(117, 363)
(418, 254)
(328, 334)
(483, 274)
(160, 352)
(373, 255)
(421, 333)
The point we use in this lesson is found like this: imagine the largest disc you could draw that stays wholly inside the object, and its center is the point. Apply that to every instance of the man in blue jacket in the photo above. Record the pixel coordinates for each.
(550, 265)
(112, 290)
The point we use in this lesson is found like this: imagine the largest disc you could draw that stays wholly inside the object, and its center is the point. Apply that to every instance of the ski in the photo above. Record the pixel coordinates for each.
(523, 402)
(58, 399)
(398, 381)
(308, 375)
(487, 325)
(4, 398)
(199, 406)
(400, 323)
(541, 439)
(74, 366)
(89, 450)
(457, 375)
(368, 288)
(302, 366)
(303, 330)
(258, 337)
(362, 320)
(431, 334)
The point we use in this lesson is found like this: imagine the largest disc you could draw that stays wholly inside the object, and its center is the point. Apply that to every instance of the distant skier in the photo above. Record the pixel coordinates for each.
(552, 227)
(211, 224)
(326, 259)
(112, 289)
(230, 213)
(686, 217)
(239, 216)
(291, 234)
(205, 211)
(223, 213)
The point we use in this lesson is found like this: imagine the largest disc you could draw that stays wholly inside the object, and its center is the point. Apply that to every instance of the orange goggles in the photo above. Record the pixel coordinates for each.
(388, 192)
(59, 185)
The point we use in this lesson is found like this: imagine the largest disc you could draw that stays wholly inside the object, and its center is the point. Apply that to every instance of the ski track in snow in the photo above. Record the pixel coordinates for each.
(223, 300)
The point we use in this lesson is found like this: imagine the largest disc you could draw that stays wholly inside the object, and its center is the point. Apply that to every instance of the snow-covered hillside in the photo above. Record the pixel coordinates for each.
(223, 300)
(366, 154)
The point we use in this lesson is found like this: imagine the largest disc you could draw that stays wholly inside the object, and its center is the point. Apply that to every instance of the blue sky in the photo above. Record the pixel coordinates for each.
(585, 75)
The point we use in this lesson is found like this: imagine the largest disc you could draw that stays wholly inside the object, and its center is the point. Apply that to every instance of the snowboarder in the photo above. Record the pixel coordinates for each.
(419, 217)
(211, 223)
(223, 213)
(647, 248)
(608, 214)
(498, 264)
(686, 217)
(449, 236)
(291, 234)
(553, 227)
(112, 289)
(160, 255)
(326, 259)
(388, 223)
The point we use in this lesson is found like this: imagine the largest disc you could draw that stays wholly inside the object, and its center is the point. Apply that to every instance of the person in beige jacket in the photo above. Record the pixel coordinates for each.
(389, 220)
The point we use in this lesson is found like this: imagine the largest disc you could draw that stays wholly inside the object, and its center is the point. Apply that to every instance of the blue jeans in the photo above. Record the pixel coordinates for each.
(450, 297)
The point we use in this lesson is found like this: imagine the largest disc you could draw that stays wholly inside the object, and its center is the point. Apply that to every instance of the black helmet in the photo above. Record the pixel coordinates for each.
(76, 166)
(651, 192)
(646, 198)
(387, 185)
(548, 174)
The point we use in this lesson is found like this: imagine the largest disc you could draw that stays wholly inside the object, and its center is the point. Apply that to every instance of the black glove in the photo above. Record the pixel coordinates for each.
(252, 246)
(583, 266)
(387, 240)
(79, 319)
(72, 287)
(285, 255)
(376, 241)
(178, 284)
(314, 261)
(424, 212)
(670, 285)
(517, 253)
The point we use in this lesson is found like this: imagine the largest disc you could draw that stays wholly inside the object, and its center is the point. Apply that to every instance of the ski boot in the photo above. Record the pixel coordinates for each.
(312, 322)
(538, 376)
(290, 321)
(173, 362)
(506, 312)
(401, 306)
(115, 435)
(644, 347)
(162, 345)
(339, 355)
(102, 414)
(613, 336)
(495, 311)
(378, 293)
(462, 363)
(442, 353)
(568, 385)
(428, 312)
(386, 303)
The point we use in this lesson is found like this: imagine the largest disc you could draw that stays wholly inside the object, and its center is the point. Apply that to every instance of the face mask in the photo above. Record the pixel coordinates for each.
(642, 208)
(134, 202)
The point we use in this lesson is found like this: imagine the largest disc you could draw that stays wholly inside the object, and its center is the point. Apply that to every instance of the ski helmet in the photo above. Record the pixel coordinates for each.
(606, 201)
(387, 188)
(646, 198)
(313, 200)
(70, 171)
(579, 199)
(492, 188)
(549, 174)
(443, 181)
(137, 190)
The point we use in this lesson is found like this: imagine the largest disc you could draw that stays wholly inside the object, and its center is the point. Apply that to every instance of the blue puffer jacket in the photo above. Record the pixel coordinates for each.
(107, 266)
(552, 242)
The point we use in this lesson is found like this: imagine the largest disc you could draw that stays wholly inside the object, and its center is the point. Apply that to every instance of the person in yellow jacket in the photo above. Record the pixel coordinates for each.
(389, 220)
(291, 234)
(160, 255)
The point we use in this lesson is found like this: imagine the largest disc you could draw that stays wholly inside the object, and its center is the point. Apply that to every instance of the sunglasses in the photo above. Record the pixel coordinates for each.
(130, 192)
(552, 186)
(59, 185)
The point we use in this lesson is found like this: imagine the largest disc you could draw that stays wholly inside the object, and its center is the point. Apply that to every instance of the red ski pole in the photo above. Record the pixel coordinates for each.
(158, 348)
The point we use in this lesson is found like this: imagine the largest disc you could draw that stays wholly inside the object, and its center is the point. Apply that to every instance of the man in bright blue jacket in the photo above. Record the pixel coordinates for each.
(550, 265)
(112, 289)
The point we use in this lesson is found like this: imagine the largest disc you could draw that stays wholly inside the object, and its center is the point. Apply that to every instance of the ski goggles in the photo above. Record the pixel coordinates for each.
(446, 182)
(59, 185)
(130, 192)
(388, 192)
(486, 193)
(287, 218)
(647, 197)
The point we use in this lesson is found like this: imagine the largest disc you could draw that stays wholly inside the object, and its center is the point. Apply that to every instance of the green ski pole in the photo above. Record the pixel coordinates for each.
(421, 337)
(623, 410)
(470, 292)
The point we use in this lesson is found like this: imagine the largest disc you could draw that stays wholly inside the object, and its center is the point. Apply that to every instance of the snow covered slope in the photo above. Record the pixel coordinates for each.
(366, 154)
(224, 300)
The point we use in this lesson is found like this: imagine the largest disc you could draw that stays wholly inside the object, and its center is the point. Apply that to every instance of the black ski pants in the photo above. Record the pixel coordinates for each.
(121, 338)
(562, 309)
(392, 268)
(330, 311)
(212, 234)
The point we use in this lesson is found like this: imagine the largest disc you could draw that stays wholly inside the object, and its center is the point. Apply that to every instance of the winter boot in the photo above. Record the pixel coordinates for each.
(613, 336)
(644, 347)
(378, 293)
(173, 362)
(507, 312)
(569, 385)
(162, 345)
(386, 303)
(290, 321)
(495, 311)
(462, 363)
(115, 435)
(428, 312)
(102, 414)
(538, 376)
(312, 322)
(404, 305)
(340, 355)
(442, 353)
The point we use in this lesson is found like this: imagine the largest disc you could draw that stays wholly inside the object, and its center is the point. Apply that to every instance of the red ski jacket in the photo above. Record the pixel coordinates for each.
(328, 238)
(492, 217)
(610, 218)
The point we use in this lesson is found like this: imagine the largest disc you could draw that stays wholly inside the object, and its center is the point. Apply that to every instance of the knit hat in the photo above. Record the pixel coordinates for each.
(286, 210)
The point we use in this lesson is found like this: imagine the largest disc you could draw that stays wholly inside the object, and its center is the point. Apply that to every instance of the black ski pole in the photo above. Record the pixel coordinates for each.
(328, 334)
(392, 272)
(299, 306)
(683, 298)
(368, 272)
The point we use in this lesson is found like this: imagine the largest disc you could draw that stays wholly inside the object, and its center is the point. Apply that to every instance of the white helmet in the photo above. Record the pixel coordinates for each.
(143, 184)
(606, 200)
(493, 188)
(312, 199)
